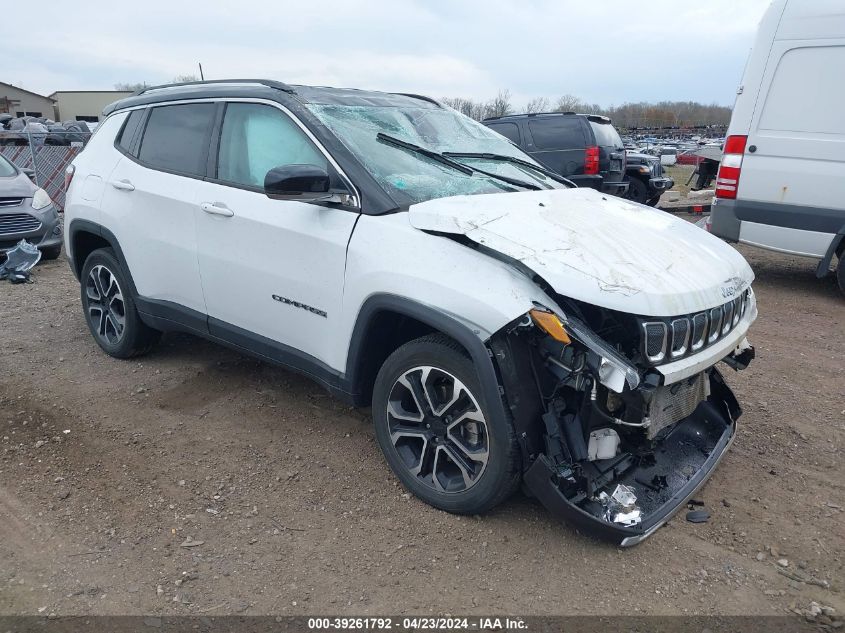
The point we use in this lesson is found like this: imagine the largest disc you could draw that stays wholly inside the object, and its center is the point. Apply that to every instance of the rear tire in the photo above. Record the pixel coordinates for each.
(436, 431)
(109, 307)
(637, 191)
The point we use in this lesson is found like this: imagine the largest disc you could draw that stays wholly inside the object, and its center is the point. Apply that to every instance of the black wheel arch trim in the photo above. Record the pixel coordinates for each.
(86, 226)
(480, 354)
(824, 264)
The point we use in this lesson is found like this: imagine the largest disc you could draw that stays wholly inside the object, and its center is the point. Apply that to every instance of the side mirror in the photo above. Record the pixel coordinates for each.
(29, 173)
(297, 182)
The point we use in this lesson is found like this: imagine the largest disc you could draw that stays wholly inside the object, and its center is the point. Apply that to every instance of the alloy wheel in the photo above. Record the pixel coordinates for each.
(106, 308)
(438, 429)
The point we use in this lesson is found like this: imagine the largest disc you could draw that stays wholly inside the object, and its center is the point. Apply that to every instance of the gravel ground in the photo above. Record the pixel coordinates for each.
(199, 481)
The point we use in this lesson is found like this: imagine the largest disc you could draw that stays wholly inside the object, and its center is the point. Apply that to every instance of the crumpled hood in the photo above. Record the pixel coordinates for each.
(17, 187)
(598, 248)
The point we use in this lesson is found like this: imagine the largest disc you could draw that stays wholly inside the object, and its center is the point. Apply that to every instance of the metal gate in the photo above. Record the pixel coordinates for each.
(48, 162)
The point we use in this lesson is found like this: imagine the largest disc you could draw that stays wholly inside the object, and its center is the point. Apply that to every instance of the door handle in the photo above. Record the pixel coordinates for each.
(217, 208)
(123, 185)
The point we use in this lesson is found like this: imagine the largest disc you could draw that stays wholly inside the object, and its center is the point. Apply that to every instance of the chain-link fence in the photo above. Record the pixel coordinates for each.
(46, 155)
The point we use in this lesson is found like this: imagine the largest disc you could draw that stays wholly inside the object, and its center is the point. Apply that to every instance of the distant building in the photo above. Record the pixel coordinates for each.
(84, 105)
(19, 102)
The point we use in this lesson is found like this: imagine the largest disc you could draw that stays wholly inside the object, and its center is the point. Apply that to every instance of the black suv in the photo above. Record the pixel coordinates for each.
(585, 148)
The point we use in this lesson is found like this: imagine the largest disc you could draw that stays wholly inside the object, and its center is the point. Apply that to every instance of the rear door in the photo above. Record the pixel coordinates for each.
(149, 201)
(558, 142)
(793, 167)
(611, 149)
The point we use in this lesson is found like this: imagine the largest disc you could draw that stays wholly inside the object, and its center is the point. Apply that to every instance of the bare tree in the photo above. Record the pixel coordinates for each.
(467, 107)
(130, 86)
(668, 114)
(179, 79)
(568, 103)
(500, 105)
(537, 104)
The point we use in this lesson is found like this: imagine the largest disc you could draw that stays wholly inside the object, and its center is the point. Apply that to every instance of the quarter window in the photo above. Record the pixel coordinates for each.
(129, 130)
(255, 139)
(509, 130)
(176, 138)
(557, 132)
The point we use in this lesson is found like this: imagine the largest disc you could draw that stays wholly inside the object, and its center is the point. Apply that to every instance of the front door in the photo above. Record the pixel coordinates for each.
(272, 270)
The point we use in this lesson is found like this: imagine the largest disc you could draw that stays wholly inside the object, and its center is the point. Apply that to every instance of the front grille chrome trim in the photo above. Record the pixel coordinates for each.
(663, 331)
(715, 318)
(680, 349)
(698, 321)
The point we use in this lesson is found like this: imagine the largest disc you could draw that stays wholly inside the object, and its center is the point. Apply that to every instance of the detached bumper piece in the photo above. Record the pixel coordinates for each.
(662, 475)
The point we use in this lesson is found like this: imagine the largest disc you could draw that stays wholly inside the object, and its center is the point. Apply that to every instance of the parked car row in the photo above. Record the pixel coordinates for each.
(41, 131)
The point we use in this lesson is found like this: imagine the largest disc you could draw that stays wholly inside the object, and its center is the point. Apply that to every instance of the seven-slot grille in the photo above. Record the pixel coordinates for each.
(18, 223)
(673, 338)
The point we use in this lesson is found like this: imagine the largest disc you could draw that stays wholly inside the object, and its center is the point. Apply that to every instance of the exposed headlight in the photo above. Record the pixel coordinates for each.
(40, 200)
(614, 369)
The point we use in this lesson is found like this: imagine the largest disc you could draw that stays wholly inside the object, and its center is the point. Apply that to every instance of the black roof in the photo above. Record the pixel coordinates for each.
(268, 89)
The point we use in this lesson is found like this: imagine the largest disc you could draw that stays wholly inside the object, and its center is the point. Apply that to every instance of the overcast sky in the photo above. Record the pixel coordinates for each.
(604, 51)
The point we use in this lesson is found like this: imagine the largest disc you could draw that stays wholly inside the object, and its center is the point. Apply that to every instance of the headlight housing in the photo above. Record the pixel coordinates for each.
(613, 368)
(41, 200)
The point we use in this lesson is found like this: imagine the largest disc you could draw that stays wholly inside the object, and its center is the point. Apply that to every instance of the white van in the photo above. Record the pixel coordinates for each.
(781, 183)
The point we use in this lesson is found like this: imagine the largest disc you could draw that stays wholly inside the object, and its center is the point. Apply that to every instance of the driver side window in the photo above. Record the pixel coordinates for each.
(256, 138)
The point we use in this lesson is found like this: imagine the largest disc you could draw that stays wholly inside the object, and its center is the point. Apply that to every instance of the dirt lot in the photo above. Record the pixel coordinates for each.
(110, 469)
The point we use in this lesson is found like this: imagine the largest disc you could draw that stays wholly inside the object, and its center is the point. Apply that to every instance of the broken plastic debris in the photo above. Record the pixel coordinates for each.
(698, 516)
(19, 261)
(621, 507)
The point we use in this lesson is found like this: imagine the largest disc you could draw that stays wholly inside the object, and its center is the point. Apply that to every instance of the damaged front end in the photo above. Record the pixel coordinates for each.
(612, 442)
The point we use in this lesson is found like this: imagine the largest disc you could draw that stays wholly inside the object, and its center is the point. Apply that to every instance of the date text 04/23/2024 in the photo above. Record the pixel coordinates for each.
(417, 624)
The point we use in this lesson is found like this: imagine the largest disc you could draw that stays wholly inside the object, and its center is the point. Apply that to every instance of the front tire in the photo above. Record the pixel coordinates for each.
(110, 310)
(436, 431)
(637, 191)
(840, 272)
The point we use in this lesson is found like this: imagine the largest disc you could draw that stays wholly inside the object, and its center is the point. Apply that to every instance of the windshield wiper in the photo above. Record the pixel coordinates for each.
(445, 160)
(514, 160)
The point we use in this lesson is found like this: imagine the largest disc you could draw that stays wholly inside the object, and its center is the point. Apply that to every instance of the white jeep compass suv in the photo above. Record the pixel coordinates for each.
(504, 326)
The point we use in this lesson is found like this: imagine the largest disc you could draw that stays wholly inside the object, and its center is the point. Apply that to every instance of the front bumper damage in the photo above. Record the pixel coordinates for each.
(683, 463)
(660, 460)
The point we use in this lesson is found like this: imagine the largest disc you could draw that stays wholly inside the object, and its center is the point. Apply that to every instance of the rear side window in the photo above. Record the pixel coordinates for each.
(176, 138)
(560, 132)
(255, 139)
(806, 92)
(130, 128)
(509, 130)
(606, 135)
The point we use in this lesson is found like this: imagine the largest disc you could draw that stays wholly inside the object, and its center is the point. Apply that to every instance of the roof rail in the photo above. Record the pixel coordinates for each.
(270, 83)
(528, 114)
(421, 97)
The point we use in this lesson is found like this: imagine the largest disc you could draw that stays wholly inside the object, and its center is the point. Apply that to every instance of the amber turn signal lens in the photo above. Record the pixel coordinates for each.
(551, 325)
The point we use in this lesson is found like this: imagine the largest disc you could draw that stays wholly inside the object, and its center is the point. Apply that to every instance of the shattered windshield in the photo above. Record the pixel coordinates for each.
(412, 177)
